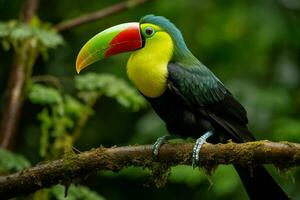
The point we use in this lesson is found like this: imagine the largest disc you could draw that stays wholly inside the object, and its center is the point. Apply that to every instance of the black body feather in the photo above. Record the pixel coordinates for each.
(195, 102)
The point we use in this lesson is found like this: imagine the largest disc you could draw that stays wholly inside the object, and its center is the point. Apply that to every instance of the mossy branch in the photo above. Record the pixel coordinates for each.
(73, 167)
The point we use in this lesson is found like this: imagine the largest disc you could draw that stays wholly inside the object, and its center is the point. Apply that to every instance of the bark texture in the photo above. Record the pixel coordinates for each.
(74, 167)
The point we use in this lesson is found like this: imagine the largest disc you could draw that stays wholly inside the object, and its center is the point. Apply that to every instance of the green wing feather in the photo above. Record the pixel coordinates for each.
(197, 83)
(203, 92)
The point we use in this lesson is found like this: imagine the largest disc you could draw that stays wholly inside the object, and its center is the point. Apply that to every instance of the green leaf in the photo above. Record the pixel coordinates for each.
(113, 87)
(46, 124)
(75, 108)
(16, 34)
(21, 32)
(40, 94)
(75, 193)
(4, 30)
(11, 162)
(5, 44)
(48, 38)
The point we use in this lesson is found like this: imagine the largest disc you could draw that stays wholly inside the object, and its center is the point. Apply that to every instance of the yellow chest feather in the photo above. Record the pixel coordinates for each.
(147, 68)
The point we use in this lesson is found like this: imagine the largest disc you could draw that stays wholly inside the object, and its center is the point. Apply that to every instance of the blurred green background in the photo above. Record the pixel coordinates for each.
(252, 46)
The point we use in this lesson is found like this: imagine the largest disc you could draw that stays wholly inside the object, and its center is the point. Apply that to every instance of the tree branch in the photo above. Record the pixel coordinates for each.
(75, 166)
(125, 5)
(29, 10)
(15, 90)
(19, 73)
(13, 102)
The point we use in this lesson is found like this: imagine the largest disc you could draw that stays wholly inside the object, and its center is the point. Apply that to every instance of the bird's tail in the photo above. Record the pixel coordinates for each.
(257, 181)
(259, 184)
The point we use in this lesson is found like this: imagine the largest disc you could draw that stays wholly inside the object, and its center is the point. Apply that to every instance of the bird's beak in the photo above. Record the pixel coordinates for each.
(117, 39)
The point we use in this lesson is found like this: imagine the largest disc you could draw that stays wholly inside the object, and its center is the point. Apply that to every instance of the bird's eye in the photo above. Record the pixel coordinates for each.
(149, 31)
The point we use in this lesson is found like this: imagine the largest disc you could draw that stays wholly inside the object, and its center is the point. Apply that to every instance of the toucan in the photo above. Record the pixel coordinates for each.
(184, 93)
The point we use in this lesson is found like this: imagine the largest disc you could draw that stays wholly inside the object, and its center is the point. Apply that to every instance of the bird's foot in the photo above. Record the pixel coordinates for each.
(196, 150)
(159, 142)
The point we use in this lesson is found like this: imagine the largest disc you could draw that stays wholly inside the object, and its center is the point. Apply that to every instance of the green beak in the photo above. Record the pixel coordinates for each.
(117, 39)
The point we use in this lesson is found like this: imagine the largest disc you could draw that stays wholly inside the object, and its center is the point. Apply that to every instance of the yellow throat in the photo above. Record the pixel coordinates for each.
(147, 68)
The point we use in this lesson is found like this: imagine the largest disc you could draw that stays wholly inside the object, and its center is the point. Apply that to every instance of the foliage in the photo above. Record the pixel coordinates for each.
(12, 162)
(63, 115)
(74, 193)
(110, 86)
(252, 46)
(14, 33)
(57, 118)
(40, 94)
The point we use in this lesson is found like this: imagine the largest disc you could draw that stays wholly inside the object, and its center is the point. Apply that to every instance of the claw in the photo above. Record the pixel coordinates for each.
(159, 142)
(196, 150)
